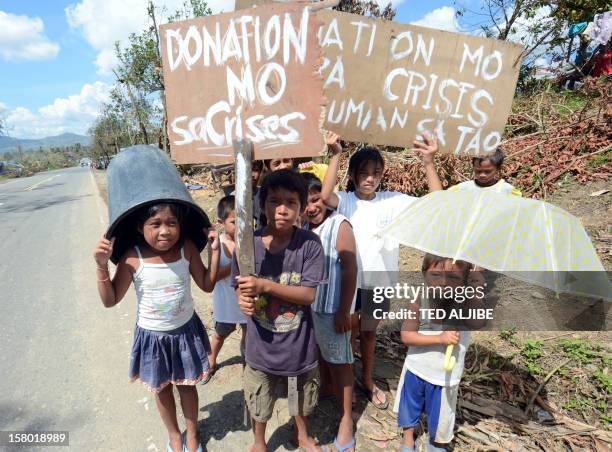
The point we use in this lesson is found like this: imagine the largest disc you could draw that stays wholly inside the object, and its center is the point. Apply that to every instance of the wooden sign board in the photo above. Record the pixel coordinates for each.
(251, 74)
(386, 83)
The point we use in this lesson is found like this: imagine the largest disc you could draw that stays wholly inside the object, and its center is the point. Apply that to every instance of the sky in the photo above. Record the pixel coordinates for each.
(56, 56)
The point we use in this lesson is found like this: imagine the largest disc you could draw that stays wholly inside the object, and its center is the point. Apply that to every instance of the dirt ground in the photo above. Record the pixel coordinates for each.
(500, 364)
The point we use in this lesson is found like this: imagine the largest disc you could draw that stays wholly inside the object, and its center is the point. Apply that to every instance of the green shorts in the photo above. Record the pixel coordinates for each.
(260, 392)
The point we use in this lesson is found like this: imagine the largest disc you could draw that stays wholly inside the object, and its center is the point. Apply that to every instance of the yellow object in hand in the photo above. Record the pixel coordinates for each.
(449, 359)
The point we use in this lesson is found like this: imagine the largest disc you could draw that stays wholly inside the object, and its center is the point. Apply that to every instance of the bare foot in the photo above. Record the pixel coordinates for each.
(258, 447)
(309, 444)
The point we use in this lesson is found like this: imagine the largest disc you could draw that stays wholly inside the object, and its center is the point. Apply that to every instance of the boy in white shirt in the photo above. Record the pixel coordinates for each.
(487, 175)
(425, 384)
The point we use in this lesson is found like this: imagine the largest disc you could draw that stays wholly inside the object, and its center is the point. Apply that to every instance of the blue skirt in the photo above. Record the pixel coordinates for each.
(178, 356)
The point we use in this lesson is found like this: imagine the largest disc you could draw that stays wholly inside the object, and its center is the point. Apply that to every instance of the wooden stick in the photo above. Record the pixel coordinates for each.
(476, 436)
(558, 335)
(537, 391)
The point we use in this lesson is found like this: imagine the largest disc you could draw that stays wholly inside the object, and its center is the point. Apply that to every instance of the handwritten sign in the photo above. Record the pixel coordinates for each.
(387, 83)
(253, 74)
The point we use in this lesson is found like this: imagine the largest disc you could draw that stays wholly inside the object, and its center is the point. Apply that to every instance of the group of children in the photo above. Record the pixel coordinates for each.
(302, 310)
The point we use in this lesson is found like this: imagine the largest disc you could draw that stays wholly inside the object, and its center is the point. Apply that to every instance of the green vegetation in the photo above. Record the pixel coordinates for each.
(45, 159)
(532, 351)
(603, 381)
(508, 334)
(602, 159)
(579, 349)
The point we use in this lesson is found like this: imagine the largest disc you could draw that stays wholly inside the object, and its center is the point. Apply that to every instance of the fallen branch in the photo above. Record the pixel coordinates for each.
(475, 436)
(537, 392)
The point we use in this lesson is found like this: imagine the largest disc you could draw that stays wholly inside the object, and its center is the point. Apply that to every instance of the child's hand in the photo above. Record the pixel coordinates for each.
(342, 321)
(331, 139)
(103, 251)
(250, 286)
(246, 304)
(427, 148)
(306, 165)
(449, 338)
(213, 238)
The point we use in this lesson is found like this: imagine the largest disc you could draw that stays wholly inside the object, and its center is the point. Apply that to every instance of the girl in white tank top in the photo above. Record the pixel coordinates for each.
(170, 343)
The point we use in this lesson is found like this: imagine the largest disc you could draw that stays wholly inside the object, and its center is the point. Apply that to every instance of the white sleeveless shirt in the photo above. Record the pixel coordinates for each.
(164, 294)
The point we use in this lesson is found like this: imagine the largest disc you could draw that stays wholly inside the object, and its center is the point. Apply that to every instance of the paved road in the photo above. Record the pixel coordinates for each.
(64, 356)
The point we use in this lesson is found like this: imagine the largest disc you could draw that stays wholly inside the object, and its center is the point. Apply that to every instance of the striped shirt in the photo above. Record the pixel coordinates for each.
(327, 300)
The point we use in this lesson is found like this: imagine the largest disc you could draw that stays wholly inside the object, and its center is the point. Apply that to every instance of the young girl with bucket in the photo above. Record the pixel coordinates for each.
(162, 254)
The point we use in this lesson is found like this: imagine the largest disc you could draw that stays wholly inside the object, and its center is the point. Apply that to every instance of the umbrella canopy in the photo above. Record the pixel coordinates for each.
(527, 239)
(140, 176)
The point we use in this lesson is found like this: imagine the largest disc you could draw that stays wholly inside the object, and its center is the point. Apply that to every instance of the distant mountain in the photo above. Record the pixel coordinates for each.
(9, 144)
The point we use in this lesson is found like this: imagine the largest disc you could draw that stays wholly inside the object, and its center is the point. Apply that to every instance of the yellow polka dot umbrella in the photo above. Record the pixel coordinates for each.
(527, 239)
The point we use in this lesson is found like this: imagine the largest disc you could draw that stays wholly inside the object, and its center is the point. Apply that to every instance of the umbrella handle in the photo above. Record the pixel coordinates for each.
(449, 359)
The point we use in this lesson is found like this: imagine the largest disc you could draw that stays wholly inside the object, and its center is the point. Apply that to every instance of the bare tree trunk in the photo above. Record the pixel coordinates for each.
(143, 129)
(165, 140)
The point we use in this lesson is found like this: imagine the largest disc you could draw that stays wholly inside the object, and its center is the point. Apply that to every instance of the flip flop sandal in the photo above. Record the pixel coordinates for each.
(170, 449)
(208, 375)
(346, 447)
(373, 395)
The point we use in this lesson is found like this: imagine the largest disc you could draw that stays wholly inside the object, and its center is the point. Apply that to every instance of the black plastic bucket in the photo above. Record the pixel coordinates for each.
(140, 176)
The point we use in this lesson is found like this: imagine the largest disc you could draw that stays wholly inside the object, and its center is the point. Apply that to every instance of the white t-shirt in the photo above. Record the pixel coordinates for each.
(427, 361)
(225, 305)
(374, 253)
(501, 186)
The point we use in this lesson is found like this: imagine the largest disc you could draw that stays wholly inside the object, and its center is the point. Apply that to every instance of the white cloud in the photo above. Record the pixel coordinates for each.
(384, 3)
(103, 22)
(520, 30)
(441, 18)
(23, 38)
(74, 114)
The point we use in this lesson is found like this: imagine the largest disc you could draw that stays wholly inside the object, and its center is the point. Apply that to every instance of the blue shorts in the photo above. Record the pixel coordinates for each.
(335, 347)
(438, 402)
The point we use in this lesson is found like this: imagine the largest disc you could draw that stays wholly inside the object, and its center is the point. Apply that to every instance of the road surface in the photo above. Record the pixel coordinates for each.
(64, 356)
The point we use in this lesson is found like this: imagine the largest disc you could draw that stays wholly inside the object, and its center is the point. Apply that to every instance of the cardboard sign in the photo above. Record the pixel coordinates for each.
(386, 83)
(251, 74)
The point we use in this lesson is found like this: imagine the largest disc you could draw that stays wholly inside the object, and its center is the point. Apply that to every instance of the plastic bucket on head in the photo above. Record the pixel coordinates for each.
(141, 176)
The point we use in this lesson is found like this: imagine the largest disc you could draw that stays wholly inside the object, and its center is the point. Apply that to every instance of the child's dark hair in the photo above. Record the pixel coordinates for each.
(287, 179)
(226, 206)
(257, 165)
(313, 183)
(497, 158)
(431, 259)
(178, 210)
(358, 160)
